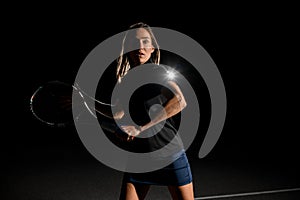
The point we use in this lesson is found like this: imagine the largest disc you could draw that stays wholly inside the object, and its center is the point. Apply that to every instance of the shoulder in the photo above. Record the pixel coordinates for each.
(170, 79)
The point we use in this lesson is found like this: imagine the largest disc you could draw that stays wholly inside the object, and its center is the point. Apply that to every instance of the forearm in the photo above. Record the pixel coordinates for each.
(173, 107)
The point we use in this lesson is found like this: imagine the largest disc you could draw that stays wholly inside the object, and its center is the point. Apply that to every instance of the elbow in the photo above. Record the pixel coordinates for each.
(183, 104)
(181, 101)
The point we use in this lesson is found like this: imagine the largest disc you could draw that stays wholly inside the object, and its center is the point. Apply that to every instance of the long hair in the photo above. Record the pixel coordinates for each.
(123, 65)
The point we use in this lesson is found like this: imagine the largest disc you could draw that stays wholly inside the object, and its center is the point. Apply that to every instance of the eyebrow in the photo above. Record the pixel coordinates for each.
(145, 37)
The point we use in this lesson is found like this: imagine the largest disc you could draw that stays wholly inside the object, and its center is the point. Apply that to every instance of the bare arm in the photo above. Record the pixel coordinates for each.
(173, 106)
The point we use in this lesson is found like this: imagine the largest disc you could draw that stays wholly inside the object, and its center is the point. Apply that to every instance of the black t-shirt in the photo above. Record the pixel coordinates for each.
(145, 102)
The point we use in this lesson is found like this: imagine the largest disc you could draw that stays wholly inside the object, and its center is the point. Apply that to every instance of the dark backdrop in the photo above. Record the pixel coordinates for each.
(252, 50)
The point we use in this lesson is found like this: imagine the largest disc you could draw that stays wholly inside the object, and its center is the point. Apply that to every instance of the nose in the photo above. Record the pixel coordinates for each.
(141, 44)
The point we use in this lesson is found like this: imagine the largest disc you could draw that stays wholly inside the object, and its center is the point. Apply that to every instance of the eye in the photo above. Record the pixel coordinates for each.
(146, 41)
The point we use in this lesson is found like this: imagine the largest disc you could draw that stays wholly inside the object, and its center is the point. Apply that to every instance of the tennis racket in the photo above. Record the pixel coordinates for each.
(52, 102)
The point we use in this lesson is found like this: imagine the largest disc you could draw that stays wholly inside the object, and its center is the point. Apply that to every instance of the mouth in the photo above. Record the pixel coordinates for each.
(140, 54)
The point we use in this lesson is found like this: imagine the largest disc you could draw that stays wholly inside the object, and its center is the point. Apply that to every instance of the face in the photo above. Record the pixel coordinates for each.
(141, 44)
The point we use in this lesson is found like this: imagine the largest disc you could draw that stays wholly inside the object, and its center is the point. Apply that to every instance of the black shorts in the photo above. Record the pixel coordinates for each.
(177, 173)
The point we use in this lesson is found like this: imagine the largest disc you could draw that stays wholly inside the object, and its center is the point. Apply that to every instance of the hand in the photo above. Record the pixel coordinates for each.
(119, 112)
(118, 115)
(132, 131)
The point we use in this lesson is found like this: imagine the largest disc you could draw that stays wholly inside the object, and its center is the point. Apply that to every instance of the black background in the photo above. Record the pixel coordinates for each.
(253, 48)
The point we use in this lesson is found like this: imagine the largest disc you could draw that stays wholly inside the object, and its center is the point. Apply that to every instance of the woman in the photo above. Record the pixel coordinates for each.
(140, 47)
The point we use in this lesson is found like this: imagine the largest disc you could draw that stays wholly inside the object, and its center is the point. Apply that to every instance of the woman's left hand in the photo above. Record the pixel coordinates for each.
(132, 131)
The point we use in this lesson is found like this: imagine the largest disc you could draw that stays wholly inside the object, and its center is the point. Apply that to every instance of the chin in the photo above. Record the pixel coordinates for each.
(143, 61)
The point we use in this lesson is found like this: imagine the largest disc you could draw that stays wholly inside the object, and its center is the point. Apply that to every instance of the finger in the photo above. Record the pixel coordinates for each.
(130, 138)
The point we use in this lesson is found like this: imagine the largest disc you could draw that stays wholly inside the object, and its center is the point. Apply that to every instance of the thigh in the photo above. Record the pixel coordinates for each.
(184, 192)
(133, 191)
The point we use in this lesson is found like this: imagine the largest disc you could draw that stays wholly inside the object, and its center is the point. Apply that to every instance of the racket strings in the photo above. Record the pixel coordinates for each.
(53, 103)
(42, 114)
